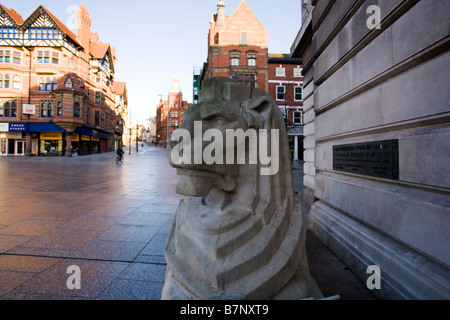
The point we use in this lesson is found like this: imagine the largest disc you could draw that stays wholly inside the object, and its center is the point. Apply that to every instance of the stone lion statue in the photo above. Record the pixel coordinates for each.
(239, 232)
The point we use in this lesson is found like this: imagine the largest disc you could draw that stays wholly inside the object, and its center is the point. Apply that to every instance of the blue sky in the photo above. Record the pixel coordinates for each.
(156, 39)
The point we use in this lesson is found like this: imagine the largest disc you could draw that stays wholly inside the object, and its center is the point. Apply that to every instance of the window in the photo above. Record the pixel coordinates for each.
(97, 118)
(41, 84)
(281, 93)
(243, 38)
(68, 84)
(43, 33)
(16, 57)
(8, 109)
(46, 109)
(251, 59)
(97, 97)
(16, 82)
(234, 56)
(297, 117)
(76, 110)
(6, 57)
(59, 109)
(55, 57)
(280, 72)
(298, 96)
(6, 81)
(54, 84)
(43, 56)
(248, 79)
(48, 84)
(9, 33)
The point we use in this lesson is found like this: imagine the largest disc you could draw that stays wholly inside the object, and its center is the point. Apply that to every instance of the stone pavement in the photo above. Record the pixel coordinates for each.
(111, 221)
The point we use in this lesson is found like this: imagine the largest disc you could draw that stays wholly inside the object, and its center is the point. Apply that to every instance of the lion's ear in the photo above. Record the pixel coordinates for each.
(261, 105)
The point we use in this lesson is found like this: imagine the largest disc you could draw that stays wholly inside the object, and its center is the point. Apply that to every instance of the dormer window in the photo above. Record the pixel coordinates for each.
(68, 83)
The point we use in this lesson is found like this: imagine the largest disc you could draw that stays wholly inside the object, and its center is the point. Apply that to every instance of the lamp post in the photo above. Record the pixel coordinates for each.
(137, 135)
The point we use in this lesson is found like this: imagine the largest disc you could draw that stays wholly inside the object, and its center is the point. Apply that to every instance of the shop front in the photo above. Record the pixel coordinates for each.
(12, 139)
(51, 144)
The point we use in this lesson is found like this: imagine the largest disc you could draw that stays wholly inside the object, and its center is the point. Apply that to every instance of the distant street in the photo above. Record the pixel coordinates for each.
(109, 220)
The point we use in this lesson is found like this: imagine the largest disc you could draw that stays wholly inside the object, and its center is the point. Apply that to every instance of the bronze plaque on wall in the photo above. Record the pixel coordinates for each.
(376, 159)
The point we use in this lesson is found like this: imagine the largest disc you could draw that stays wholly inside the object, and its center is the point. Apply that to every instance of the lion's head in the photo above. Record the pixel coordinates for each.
(236, 144)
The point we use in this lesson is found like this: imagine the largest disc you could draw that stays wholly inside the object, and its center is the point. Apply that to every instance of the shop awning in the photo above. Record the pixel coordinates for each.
(44, 127)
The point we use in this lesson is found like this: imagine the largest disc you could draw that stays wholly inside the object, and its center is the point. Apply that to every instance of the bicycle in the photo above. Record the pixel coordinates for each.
(119, 159)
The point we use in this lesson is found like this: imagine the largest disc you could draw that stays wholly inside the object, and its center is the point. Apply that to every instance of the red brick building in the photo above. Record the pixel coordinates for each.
(286, 89)
(169, 112)
(237, 47)
(57, 93)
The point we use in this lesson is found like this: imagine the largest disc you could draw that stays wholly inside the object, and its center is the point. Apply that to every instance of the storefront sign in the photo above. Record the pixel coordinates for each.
(18, 127)
(4, 127)
(29, 109)
(95, 139)
(14, 135)
(85, 138)
(75, 137)
(51, 136)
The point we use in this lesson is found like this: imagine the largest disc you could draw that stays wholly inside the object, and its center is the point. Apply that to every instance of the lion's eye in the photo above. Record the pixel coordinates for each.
(217, 122)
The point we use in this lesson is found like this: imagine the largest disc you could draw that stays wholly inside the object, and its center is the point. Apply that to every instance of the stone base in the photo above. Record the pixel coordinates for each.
(251, 261)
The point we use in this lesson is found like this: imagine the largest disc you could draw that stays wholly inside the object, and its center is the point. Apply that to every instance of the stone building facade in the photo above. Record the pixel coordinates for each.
(57, 92)
(376, 126)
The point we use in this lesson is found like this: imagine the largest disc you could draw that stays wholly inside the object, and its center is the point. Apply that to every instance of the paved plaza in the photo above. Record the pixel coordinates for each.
(110, 221)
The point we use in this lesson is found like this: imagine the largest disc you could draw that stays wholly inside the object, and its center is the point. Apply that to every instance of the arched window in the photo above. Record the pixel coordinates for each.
(48, 84)
(16, 82)
(50, 109)
(14, 109)
(41, 84)
(43, 109)
(234, 56)
(7, 109)
(251, 59)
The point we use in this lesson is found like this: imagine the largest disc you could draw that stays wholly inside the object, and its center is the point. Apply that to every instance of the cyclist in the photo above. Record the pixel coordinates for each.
(120, 153)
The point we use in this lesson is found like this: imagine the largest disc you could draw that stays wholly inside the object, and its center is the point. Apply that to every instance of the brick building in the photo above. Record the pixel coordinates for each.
(237, 47)
(57, 92)
(169, 112)
(286, 89)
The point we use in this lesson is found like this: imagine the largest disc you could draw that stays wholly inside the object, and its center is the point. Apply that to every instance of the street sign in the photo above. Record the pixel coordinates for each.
(29, 109)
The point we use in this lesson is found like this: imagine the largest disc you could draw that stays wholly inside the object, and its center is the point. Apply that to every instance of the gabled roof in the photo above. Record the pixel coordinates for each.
(98, 49)
(17, 18)
(39, 11)
(77, 83)
(237, 16)
(119, 87)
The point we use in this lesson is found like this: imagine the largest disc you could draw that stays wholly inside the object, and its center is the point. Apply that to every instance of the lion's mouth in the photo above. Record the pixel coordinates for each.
(198, 183)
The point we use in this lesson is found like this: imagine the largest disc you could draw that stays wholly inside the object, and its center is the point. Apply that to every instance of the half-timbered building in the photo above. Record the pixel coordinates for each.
(57, 93)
